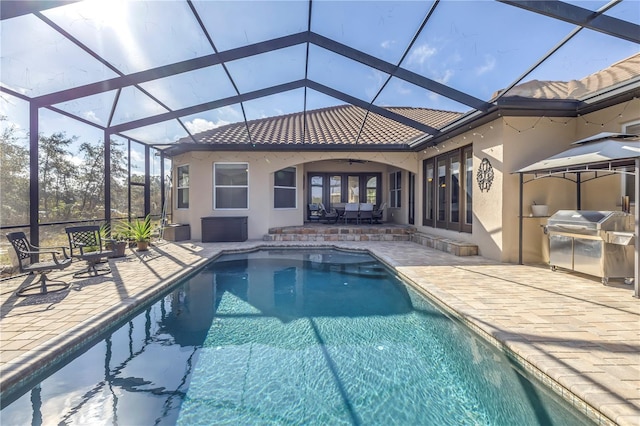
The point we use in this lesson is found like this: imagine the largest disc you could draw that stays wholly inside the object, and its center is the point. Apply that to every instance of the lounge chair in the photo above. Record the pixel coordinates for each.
(85, 243)
(58, 261)
(379, 212)
(328, 216)
(351, 211)
(366, 212)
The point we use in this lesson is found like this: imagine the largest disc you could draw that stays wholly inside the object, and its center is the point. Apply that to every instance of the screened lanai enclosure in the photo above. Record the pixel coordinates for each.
(97, 96)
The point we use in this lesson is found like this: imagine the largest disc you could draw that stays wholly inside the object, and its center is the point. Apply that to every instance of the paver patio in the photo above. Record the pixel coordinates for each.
(578, 336)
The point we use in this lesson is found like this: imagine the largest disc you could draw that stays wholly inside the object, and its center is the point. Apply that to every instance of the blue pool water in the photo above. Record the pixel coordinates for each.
(289, 337)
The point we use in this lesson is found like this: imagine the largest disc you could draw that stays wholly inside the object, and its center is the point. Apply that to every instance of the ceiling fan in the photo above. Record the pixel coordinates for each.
(353, 160)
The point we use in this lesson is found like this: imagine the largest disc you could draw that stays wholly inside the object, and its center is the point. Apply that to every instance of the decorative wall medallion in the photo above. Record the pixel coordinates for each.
(485, 175)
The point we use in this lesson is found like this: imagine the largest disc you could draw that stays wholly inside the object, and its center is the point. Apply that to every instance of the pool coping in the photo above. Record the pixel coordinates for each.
(553, 385)
(56, 350)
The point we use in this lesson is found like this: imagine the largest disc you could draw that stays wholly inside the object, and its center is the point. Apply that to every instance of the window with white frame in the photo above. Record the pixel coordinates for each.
(395, 189)
(284, 188)
(231, 185)
(182, 186)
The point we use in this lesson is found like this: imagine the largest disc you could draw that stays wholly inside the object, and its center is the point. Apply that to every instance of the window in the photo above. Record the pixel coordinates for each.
(448, 185)
(334, 189)
(429, 201)
(468, 187)
(372, 190)
(629, 179)
(316, 188)
(284, 188)
(183, 187)
(231, 185)
(353, 183)
(395, 189)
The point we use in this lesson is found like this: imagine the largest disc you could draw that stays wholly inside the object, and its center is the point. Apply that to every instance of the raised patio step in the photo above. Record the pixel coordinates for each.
(458, 248)
(340, 233)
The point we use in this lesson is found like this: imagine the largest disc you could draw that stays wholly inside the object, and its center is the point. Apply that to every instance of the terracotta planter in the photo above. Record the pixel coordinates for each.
(143, 245)
(119, 247)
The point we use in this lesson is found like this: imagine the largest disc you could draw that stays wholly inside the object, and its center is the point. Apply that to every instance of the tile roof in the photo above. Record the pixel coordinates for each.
(619, 72)
(337, 125)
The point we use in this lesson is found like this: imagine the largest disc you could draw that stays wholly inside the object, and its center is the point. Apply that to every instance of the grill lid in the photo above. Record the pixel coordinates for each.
(587, 221)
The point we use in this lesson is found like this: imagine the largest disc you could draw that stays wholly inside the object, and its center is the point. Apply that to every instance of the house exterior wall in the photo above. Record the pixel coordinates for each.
(509, 143)
(262, 165)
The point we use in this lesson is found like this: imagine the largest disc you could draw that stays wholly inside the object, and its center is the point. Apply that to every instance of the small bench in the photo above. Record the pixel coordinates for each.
(448, 245)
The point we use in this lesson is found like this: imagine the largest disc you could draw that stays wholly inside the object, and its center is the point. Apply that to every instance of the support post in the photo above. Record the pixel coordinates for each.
(129, 179)
(578, 191)
(107, 177)
(34, 181)
(636, 208)
(147, 180)
(520, 219)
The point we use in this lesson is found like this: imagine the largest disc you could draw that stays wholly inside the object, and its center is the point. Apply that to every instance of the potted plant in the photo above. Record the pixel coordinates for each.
(139, 230)
(115, 242)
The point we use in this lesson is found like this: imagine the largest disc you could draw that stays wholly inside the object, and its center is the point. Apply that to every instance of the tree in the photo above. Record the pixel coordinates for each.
(14, 185)
(56, 174)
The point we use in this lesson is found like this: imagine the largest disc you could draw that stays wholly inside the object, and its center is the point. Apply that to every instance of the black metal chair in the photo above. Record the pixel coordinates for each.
(25, 251)
(327, 216)
(378, 213)
(314, 212)
(85, 243)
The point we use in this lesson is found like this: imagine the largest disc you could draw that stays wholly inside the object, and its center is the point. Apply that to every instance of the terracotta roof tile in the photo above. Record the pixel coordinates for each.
(619, 72)
(333, 125)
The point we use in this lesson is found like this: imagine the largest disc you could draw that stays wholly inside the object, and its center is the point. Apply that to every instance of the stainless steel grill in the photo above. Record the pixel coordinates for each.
(599, 243)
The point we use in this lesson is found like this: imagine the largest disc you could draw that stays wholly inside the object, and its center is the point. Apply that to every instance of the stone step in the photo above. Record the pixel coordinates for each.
(370, 233)
(340, 233)
(448, 245)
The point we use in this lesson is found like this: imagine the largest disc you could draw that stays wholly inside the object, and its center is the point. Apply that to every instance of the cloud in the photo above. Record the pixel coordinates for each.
(489, 65)
(198, 125)
(446, 76)
(420, 54)
(91, 116)
(387, 44)
(403, 89)
(232, 113)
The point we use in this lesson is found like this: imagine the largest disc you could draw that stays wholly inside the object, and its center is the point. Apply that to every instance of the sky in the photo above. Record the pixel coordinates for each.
(477, 47)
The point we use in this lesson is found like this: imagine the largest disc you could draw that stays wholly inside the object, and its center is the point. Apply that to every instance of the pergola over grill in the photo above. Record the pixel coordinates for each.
(605, 153)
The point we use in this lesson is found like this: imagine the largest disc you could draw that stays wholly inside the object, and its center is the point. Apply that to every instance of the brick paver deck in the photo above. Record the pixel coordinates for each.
(575, 334)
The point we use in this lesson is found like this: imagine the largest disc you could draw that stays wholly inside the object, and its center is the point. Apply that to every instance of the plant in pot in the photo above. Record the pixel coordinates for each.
(139, 230)
(115, 242)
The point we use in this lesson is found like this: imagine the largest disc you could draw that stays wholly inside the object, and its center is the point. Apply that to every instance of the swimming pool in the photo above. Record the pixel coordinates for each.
(290, 337)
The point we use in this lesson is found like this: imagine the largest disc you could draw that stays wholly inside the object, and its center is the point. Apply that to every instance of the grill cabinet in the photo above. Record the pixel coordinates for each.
(599, 243)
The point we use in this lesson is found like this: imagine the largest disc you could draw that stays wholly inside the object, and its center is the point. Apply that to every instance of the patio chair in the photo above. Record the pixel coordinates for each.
(379, 212)
(314, 212)
(351, 211)
(366, 212)
(58, 261)
(85, 243)
(328, 216)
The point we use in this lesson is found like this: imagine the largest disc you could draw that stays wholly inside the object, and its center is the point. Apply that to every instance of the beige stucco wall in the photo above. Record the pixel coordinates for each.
(509, 143)
(261, 214)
